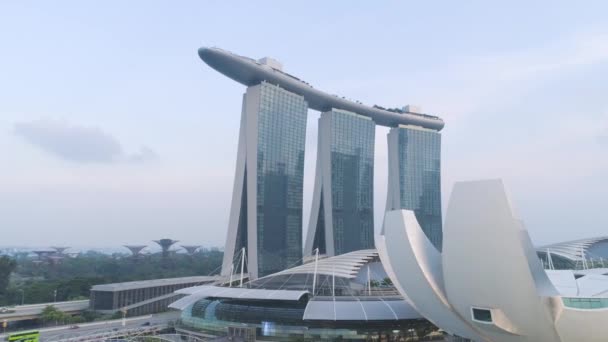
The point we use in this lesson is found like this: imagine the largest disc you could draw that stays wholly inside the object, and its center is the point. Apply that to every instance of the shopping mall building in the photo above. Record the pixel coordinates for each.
(350, 298)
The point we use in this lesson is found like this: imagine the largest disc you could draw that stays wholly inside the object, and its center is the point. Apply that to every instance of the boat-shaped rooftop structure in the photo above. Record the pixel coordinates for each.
(248, 71)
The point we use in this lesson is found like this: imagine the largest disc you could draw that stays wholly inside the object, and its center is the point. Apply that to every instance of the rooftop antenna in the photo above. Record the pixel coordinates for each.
(314, 278)
(242, 264)
(550, 260)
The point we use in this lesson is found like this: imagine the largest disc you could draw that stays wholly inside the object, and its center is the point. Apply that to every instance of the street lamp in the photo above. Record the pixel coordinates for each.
(124, 316)
(22, 296)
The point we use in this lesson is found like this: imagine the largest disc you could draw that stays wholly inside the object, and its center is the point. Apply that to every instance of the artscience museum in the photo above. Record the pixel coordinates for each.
(488, 284)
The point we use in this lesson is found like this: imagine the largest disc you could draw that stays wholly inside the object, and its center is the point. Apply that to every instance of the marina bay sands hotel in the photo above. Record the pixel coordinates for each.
(266, 212)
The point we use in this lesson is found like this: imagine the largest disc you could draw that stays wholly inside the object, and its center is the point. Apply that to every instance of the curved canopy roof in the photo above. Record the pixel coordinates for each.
(318, 308)
(345, 265)
(359, 309)
(573, 250)
(201, 292)
(139, 284)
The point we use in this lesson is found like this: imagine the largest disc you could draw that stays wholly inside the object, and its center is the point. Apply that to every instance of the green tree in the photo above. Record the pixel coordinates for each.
(77, 319)
(51, 314)
(117, 315)
(7, 266)
(90, 316)
(73, 278)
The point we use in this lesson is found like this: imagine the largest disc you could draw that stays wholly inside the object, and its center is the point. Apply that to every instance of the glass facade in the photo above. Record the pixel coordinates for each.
(352, 178)
(586, 303)
(342, 219)
(281, 134)
(419, 165)
(283, 321)
(114, 300)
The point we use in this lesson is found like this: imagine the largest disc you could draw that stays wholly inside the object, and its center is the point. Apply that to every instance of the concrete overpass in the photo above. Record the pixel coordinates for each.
(33, 311)
(107, 330)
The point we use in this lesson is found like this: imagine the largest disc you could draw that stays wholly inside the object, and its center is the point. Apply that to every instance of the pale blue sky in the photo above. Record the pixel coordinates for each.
(113, 131)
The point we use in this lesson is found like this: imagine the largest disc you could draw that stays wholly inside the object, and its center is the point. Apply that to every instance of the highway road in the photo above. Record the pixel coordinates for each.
(89, 331)
(22, 312)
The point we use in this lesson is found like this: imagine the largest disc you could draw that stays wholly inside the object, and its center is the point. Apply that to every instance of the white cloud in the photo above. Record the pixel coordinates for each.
(83, 144)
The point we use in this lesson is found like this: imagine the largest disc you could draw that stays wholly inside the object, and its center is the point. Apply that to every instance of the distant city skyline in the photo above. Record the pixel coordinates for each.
(113, 132)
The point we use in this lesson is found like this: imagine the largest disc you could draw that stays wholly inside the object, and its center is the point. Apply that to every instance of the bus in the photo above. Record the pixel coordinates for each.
(29, 336)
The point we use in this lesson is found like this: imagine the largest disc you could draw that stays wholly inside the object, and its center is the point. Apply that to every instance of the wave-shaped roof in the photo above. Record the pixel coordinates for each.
(345, 265)
(573, 250)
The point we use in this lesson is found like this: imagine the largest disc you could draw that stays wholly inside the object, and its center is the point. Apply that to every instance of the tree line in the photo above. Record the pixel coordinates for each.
(24, 279)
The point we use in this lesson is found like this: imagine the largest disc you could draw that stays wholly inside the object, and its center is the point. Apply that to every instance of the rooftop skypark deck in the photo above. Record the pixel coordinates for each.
(250, 72)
